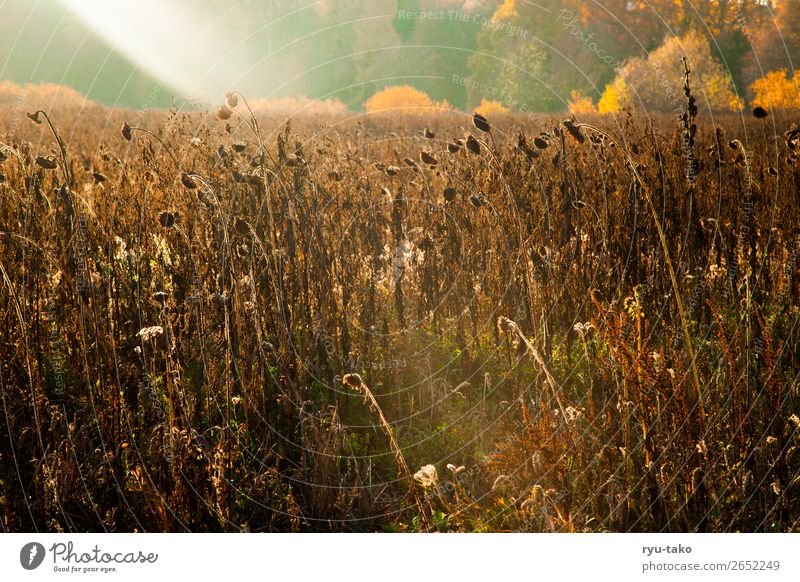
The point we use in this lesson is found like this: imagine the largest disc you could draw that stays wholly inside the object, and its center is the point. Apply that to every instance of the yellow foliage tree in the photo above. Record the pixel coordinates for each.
(776, 90)
(506, 11)
(488, 107)
(657, 81)
(614, 97)
(403, 98)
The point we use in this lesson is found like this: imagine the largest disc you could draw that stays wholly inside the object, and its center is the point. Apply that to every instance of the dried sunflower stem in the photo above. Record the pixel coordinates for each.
(508, 325)
(360, 386)
(663, 239)
(252, 125)
(61, 147)
(160, 141)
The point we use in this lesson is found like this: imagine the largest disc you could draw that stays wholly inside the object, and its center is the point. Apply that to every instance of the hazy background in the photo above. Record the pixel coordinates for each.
(516, 52)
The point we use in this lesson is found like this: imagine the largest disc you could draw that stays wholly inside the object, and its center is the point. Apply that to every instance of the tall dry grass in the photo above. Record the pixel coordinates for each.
(179, 303)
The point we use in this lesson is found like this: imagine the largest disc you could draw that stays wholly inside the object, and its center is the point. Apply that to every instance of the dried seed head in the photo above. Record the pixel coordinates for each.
(540, 143)
(242, 226)
(574, 130)
(473, 145)
(392, 170)
(760, 113)
(167, 219)
(48, 163)
(224, 112)
(427, 158)
(477, 200)
(98, 178)
(522, 145)
(35, 118)
(126, 131)
(449, 194)
(428, 133)
(231, 99)
(187, 181)
(160, 296)
(239, 147)
(480, 122)
(453, 148)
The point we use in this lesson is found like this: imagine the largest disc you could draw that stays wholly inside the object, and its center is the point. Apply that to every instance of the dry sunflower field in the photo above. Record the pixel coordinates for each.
(397, 322)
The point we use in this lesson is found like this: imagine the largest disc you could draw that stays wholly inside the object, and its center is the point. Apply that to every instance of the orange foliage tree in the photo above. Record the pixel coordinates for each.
(403, 98)
(580, 104)
(776, 90)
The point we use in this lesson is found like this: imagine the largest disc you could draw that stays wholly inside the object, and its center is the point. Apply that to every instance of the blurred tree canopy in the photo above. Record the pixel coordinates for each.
(524, 54)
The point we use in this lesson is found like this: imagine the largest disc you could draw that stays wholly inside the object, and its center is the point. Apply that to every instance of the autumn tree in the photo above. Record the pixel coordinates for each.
(776, 42)
(403, 99)
(656, 83)
(433, 52)
(776, 91)
(522, 59)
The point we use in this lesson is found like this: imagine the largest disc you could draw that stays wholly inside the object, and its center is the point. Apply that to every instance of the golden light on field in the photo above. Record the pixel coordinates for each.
(184, 48)
(389, 269)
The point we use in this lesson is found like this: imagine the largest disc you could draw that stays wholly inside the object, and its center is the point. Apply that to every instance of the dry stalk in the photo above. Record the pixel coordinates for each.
(673, 279)
(355, 382)
(506, 325)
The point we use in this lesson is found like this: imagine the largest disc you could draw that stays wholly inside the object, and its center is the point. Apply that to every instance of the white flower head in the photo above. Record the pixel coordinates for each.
(147, 333)
(455, 470)
(426, 476)
(584, 329)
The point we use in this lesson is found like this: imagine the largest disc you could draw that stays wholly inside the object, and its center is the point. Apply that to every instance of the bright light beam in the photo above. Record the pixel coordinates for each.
(188, 52)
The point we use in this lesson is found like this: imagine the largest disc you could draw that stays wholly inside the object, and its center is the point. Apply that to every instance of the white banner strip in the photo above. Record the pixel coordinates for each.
(415, 557)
